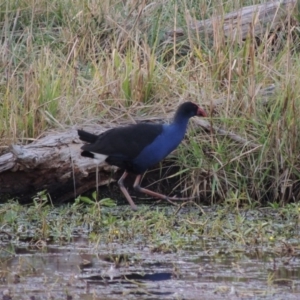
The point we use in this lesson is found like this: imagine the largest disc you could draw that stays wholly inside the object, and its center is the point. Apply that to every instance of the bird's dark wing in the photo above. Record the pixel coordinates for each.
(126, 141)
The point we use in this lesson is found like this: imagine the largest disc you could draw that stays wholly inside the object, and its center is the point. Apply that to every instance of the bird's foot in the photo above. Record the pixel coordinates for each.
(134, 207)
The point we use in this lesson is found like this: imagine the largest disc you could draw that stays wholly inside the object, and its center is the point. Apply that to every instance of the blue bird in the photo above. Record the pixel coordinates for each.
(136, 148)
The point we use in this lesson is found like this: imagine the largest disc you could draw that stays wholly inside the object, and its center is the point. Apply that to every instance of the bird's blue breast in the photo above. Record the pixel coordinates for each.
(164, 144)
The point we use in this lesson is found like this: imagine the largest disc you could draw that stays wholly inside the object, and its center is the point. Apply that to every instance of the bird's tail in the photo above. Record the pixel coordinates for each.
(86, 136)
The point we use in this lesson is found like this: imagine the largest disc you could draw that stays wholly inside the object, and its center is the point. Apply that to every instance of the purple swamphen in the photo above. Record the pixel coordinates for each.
(137, 147)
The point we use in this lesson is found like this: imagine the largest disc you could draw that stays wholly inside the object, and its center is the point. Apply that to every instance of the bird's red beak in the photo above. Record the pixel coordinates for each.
(201, 112)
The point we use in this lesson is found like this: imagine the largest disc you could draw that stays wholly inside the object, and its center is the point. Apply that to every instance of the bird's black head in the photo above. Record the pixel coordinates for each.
(188, 110)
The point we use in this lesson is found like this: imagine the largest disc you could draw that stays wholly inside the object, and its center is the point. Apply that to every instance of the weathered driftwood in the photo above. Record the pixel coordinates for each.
(52, 163)
(255, 19)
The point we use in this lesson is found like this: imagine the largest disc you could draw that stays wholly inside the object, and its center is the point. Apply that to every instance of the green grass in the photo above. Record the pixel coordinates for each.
(163, 228)
(64, 62)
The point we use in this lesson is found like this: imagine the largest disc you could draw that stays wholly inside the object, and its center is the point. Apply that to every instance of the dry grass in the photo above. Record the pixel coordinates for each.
(71, 62)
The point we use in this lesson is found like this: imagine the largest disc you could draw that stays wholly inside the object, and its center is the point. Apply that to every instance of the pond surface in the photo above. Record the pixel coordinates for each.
(208, 268)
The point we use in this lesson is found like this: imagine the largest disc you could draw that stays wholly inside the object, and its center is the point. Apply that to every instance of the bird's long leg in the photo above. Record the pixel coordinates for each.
(138, 188)
(97, 182)
(125, 192)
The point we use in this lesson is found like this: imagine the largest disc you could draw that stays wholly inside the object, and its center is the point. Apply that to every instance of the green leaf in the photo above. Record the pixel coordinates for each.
(107, 202)
(86, 200)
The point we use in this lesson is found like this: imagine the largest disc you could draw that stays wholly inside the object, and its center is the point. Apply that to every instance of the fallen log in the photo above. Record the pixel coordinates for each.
(52, 163)
(255, 19)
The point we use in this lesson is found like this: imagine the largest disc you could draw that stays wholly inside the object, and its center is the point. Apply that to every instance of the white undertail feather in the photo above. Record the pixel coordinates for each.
(99, 157)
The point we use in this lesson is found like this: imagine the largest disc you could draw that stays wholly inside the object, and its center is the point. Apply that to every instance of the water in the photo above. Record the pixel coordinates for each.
(206, 266)
(79, 270)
